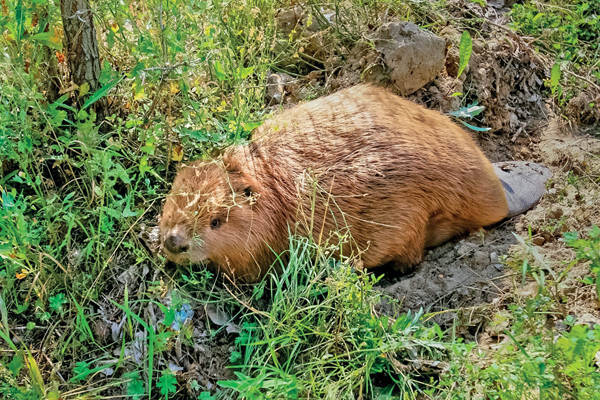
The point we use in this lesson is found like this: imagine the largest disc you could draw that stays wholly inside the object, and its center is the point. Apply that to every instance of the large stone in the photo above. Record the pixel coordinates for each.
(413, 55)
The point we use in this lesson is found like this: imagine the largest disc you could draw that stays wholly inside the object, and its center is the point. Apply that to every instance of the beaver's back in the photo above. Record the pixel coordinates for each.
(379, 144)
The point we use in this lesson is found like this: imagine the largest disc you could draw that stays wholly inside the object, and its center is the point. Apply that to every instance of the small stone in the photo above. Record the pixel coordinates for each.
(498, 266)
(101, 330)
(481, 258)
(494, 257)
(539, 240)
(556, 213)
(464, 248)
(276, 87)
(560, 326)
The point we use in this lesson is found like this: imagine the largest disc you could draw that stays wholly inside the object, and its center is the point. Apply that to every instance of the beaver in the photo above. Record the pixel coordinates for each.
(377, 175)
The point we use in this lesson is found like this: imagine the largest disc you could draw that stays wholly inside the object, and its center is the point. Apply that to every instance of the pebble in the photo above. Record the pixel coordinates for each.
(464, 248)
(481, 258)
(494, 258)
(539, 240)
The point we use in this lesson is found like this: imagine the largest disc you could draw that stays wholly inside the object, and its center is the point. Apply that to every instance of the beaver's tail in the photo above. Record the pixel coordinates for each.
(523, 182)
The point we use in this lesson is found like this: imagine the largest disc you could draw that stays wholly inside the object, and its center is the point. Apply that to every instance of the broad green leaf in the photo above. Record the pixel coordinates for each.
(34, 372)
(206, 396)
(48, 39)
(554, 77)
(135, 386)
(245, 72)
(16, 364)
(84, 89)
(465, 49)
(219, 71)
(100, 93)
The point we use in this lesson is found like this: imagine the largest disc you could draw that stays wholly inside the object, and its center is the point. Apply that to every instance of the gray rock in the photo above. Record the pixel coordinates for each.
(465, 248)
(494, 259)
(481, 258)
(413, 55)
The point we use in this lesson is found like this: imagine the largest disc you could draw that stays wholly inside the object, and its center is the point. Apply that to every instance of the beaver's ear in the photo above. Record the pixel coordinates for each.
(242, 180)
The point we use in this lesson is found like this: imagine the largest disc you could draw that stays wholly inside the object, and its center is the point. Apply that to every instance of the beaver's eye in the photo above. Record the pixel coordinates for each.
(248, 192)
(215, 223)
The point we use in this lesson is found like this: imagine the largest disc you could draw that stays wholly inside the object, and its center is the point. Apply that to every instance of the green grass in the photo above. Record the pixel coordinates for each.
(321, 337)
(182, 80)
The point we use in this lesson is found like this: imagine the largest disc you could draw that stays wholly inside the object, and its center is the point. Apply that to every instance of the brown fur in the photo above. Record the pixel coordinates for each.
(387, 173)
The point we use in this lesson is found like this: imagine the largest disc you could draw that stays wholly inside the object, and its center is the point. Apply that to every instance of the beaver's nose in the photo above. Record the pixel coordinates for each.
(176, 242)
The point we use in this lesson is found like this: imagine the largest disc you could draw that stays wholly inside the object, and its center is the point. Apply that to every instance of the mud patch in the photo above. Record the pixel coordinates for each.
(462, 273)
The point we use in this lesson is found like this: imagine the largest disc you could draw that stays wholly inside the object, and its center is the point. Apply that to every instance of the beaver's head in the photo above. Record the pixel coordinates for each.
(208, 216)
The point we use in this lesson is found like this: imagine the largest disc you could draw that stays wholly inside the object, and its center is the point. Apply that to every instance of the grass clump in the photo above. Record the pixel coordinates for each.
(321, 336)
(571, 29)
(528, 359)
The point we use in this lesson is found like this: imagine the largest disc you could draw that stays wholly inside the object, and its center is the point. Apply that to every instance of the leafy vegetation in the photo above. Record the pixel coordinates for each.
(182, 79)
(570, 32)
(571, 29)
(588, 249)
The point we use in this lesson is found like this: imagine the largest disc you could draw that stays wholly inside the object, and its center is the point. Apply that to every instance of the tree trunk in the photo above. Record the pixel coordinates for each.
(81, 46)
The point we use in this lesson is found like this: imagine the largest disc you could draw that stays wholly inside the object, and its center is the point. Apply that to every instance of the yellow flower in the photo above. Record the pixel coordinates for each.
(22, 274)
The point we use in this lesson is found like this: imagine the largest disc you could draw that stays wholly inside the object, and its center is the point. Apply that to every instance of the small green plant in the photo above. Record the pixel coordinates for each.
(531, 359)
(167, 383)
(588, 249)
(465, 50)
(570, 32)
(567, 27)
(57, 301)
(135, 385)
